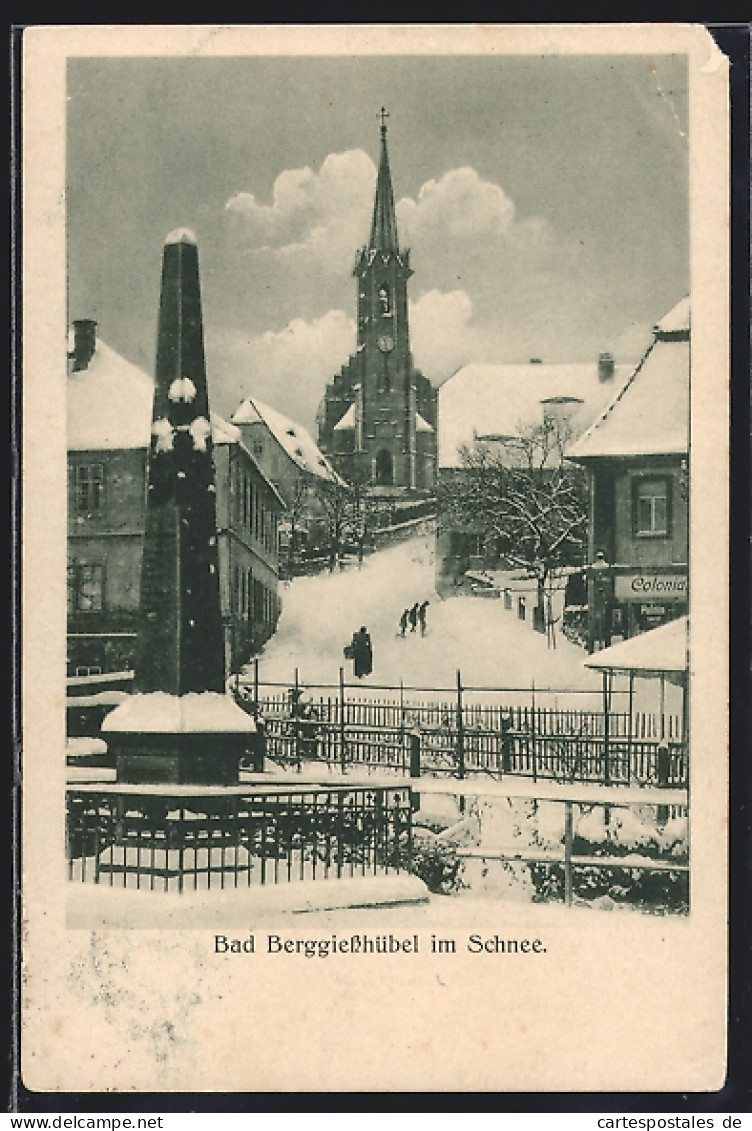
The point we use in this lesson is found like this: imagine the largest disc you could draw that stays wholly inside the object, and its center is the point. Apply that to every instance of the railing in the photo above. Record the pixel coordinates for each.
(355, 728)
(173, 839)
(571, 863)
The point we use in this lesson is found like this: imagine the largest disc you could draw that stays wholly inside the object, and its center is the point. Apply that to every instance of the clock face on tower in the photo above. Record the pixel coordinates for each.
(385, 343)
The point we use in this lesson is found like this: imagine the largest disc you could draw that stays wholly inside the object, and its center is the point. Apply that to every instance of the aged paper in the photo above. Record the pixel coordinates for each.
(611, 1002)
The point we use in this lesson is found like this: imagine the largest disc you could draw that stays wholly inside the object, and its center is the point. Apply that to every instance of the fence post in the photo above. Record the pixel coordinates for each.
(629, 728)
(342, 740)
(505, 726)
(606, 708)
(460, 738)
(568, 838)
(296, 720)
(415, 767)
(533, 728)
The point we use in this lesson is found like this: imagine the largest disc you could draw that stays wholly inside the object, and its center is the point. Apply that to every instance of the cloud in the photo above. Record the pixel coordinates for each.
(460, 205)
(489, 284)
(321, 214)
(441, 332)
(287, 368)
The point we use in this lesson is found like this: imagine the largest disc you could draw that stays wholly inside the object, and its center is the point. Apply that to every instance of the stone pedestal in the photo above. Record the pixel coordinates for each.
(195, 739)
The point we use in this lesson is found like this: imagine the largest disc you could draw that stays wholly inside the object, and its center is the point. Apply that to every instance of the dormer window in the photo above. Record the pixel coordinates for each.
(290, 431)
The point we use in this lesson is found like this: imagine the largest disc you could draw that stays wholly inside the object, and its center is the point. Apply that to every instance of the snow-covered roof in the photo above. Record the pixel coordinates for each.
(662, 649)
(498, 400)
(347, 421)
(207, 712)
(677, 320)
(650, 414)
(109, 406)
(295, 440)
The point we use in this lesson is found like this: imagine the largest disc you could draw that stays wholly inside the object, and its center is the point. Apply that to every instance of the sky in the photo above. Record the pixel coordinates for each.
(544, 200)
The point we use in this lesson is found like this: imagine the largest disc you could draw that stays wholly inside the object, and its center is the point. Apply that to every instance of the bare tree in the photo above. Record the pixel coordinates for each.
(335, 498)
(521, 492)
(295, 512)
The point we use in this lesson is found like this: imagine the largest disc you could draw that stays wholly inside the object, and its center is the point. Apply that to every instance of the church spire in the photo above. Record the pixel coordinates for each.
(384, 222)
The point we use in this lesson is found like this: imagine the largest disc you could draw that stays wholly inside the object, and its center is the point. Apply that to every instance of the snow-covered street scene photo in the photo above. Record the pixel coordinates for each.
(375, 437)
(378, 489)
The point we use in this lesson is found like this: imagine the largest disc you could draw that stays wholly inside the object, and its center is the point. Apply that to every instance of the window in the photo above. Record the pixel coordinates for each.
(258, 447)
(85, 587)
(651, 508)
(89, 487)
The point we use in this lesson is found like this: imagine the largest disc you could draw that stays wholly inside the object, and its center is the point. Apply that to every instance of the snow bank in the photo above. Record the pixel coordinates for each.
(94, 906)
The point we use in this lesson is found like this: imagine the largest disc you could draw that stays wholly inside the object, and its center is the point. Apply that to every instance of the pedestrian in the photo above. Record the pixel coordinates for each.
(413, 615)
(403, 621)
(422, 617)
(362, 653)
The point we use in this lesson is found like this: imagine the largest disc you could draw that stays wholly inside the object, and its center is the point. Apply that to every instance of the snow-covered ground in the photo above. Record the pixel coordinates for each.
(488, 643)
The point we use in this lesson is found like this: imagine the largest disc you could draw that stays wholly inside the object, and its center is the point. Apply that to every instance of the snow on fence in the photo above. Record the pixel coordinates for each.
(357, 727)
(177, 838)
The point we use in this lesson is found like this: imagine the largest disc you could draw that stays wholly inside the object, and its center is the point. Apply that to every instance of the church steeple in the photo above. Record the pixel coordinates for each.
(384, 222)
(379, 402)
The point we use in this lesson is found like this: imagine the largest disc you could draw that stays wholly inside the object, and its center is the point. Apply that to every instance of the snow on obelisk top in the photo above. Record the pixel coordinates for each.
(180, 659)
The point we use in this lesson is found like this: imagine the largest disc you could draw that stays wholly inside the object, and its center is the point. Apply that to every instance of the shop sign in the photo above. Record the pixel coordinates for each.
(650, 587)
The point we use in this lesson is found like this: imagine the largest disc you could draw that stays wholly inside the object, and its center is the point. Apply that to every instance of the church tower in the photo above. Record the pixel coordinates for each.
(377, 421)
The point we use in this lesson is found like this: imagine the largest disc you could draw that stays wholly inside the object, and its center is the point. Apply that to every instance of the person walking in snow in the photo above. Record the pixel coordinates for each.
(413, 614)
(422, 617)
(403, 621)
(362, 653)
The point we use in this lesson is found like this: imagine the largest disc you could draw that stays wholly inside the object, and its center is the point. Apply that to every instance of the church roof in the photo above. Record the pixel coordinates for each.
(347, 421)
(650, 414)
(384, 221)
(292, 437)
(499, 400)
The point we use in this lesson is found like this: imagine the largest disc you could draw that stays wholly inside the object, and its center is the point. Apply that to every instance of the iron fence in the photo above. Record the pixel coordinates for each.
(457, 736)
(173, 840)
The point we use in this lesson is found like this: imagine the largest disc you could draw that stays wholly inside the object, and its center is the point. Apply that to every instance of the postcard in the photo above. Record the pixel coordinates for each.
(375, 607)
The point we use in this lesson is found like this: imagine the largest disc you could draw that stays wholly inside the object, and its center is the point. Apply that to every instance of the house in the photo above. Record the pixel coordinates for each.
(315, 495)
(487, 408)
(109, 409)
(636, 453)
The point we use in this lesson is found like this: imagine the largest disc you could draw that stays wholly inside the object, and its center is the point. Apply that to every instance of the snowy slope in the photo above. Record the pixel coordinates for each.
(488, 643)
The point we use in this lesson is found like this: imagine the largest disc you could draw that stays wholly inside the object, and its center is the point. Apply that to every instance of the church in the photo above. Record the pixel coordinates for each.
(377, 422)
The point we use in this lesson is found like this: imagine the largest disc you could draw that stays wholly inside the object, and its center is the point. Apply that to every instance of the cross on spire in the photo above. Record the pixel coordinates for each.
(384, 222)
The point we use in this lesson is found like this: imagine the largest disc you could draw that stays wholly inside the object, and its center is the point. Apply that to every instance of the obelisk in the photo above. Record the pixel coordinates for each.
(180, 726)
(180, 642)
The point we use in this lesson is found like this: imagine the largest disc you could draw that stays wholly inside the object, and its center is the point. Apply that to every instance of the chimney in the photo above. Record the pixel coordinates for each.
(84, 343)
(605, 366)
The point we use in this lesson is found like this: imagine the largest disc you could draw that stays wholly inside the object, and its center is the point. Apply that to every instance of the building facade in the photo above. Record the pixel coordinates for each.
(486, 407)
(109, 420)
(636, 453)
(378, 419)
(315, 495)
